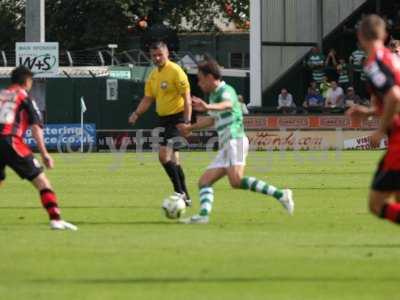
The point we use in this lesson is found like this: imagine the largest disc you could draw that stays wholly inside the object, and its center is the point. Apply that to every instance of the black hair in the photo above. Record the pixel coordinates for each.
(20, 74)
(210, 66)
(158, 45)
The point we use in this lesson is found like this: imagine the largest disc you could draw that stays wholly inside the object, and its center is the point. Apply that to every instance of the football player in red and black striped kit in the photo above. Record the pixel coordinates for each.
(17, 113)
(383, 71)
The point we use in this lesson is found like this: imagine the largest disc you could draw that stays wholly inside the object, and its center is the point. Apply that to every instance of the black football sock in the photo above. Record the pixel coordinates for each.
(173, 174)
(183, 180)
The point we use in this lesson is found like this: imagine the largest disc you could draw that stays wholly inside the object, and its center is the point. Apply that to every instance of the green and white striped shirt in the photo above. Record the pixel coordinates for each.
(228, 123)
(344, 77)
(357, 60)
(316, 63)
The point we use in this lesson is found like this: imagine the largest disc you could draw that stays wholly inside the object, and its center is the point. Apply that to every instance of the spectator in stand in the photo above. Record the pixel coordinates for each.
(313, 102)
(351, 98)
(335, 98)
(245, 110)
(363, 92)
(389, 22)
(397, 21)
(356, 62)
(344, 74)
(314, 86)
(324, 87)
(394, 46)
(316, 63)
(331, 63)
(285, 102)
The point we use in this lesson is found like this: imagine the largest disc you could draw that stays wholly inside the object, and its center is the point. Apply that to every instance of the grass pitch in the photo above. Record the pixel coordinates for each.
(331, 249)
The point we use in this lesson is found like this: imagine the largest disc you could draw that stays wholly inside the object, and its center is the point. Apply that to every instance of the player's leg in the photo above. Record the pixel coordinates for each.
(182, 177)
(50, 203)
(206, 193)
(165, 157)
(238, 181)
(237, 154)
(2, 175)
(27, 167)
(382, 205)
(385, 189)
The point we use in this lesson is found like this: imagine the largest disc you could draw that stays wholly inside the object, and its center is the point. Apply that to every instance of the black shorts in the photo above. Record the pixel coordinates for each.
(27, 167)
(170, 135)
(386, 181)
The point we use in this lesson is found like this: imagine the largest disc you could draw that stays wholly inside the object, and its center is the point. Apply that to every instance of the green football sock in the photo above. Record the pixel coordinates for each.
(259, 186)
(206, 200)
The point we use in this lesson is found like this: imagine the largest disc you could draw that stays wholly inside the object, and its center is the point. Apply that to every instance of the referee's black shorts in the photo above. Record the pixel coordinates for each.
(170, 135)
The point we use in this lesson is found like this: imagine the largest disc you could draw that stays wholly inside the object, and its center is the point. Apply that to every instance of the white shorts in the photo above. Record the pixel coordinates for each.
(234, 153)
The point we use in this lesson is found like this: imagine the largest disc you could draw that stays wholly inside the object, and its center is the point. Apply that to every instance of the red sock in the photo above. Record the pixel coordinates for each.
(49, 202)
(391, 212)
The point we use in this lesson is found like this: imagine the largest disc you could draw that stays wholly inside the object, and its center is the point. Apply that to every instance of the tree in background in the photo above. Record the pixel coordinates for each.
(80, 24)
(199, 14)
(12, 23)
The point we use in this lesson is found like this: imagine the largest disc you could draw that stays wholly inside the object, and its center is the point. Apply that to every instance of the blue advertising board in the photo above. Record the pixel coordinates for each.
(61, 136)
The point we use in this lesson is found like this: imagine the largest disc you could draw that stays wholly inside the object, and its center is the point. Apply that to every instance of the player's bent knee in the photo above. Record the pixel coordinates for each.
(375, 206)
(235, 182)
(41, 182)
(163, 158)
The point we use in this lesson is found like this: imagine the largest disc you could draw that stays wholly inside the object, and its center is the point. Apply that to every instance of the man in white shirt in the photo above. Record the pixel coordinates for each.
(285, 102)
(335, 98)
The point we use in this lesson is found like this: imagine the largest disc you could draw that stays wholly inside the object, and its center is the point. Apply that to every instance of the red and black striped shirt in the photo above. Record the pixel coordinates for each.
(17, 112)
(383, 71)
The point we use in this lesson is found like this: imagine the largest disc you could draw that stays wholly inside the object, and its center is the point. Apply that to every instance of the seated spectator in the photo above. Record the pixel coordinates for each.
(314, 102)
(335, 98)
(351, 98)
(344, 74)
(324, 87)
(285, 102)
(245, 110)
(314, 86)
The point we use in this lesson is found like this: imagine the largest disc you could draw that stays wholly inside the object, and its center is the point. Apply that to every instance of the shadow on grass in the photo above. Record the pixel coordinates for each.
(233, 280)
(76, 207)
(361, 246)
(100, 223)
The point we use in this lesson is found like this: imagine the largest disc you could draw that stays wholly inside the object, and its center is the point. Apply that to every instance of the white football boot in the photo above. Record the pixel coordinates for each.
(62, 225)
(196, 219)
(287, 201)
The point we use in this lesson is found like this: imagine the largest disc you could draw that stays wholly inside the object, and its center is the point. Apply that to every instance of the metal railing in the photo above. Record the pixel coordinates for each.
(100, 57)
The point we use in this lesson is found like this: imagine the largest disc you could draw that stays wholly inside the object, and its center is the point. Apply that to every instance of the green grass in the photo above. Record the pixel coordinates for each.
(331, 249)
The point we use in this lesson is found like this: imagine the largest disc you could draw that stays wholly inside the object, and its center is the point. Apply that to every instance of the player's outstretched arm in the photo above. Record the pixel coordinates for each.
(361, 112)
(144, 106)
(203, 123)
(202, 106)
(37, 133)
(391, 108)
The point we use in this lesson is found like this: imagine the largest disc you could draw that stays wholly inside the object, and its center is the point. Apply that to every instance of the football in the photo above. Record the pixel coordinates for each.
(174, 207)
